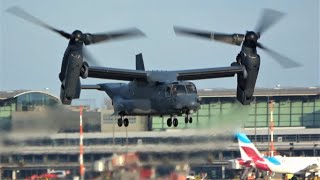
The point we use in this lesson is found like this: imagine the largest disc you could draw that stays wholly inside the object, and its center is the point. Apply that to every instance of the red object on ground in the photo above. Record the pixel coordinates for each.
(176, 176)
(146, 173)
(42, 176)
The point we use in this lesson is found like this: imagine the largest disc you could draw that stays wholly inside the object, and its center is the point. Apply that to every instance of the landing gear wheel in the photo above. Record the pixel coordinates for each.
(175, 122)
(190, 120)
(126, 122)
(120, 122)
(186, 120)
(169, 122)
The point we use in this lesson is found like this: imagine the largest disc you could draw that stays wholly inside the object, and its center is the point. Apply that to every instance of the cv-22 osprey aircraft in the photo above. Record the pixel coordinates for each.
(158, 93)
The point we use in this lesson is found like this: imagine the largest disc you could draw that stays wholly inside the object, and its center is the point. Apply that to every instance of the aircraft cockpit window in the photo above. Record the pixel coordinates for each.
(191, 88)
(178, 89)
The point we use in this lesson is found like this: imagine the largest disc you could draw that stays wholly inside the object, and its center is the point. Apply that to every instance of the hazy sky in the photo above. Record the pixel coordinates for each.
(31, 56)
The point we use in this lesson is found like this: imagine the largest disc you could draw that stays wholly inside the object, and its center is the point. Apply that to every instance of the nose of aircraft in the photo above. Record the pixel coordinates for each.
(187, 102)
(194, 105)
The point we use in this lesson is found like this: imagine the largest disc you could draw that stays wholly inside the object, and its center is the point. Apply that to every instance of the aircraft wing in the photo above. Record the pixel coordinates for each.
(208, 73)
(116, 74)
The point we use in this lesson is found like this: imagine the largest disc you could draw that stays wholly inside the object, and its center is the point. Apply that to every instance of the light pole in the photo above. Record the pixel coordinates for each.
(291, 148)
(81, 161)
(271, 126)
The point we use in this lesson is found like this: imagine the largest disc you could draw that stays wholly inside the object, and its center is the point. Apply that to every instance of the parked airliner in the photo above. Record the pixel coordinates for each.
(251, 157)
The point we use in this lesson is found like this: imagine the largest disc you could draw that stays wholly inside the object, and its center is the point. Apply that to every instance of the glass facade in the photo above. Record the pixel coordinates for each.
(5, 116)
(288, 111)
(27, 101)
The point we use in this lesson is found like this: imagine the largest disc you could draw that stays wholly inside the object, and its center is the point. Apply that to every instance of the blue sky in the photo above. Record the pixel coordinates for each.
(31, 56)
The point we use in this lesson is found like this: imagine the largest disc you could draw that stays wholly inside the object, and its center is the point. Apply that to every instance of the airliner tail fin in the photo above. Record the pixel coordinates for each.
(247, 148)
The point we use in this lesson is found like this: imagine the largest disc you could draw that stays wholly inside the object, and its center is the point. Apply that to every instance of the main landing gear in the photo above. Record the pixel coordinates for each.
(188, 119)
(172, 121)
(124, 121)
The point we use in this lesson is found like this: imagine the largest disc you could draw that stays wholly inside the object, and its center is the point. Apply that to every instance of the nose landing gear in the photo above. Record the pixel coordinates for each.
(175, 122)
(124, 121)
(172, 121)
(169, 122)
(120, 121)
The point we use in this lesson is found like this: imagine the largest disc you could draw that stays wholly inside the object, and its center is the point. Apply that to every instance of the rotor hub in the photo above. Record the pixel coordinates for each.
(77, 36)
(251, 36)
(250, 39)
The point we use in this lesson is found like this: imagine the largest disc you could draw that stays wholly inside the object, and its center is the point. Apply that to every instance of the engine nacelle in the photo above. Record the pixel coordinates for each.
(70, 85)
(247, 81)
(69, 93)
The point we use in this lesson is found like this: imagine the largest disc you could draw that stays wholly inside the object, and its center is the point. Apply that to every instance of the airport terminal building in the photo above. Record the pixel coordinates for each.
(298, 107)
(296, 114)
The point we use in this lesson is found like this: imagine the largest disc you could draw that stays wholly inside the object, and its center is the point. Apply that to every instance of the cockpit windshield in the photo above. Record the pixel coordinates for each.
(179, 89)
(191, 88)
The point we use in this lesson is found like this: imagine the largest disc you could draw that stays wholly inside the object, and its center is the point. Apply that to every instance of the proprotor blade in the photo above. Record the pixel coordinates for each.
(89, 58)
(285, 62)
(100, 37)
(235, 39)
(17, 11)
(268, 18)
(193, 32)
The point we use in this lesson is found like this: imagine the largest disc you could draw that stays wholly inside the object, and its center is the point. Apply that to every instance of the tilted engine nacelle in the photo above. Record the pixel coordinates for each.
(71, 85)
(247, 80)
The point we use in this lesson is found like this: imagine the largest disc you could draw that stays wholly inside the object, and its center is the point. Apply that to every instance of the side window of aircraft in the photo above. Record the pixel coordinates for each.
(174, 90)
(191, 89)
(168, 91)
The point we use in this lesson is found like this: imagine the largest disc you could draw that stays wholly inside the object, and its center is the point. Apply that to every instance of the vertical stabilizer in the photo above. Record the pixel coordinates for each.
(139, 62)
(247, 148)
